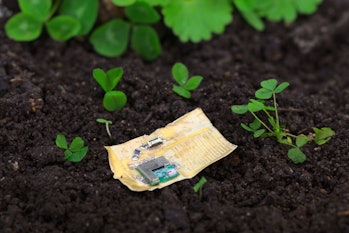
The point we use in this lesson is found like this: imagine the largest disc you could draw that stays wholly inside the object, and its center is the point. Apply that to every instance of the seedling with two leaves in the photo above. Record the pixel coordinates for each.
(75, 152)
(112, 100)
(107, 123)
(185, 84)
(272, 127)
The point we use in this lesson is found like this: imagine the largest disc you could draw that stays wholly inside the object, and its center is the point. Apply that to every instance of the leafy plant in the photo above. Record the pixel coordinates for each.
(75, 152)
(196, 20)
(76, 18)
(272, 127)
(107, 123)
(199, 186)
(112, 39)
(112, 100)
(185, 84)
(274, 10)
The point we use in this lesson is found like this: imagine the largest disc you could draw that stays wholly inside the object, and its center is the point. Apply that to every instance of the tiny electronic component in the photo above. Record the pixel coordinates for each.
(157, 171)
(152, 143)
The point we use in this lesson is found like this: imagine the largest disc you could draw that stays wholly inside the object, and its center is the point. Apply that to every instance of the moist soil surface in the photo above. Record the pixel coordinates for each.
(46, 88)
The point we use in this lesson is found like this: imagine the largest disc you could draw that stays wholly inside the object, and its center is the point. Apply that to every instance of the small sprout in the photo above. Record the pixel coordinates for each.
(181, 74)
(113, 100)
(76, 150)
(199, 186)
(272, 127)
(107, 123)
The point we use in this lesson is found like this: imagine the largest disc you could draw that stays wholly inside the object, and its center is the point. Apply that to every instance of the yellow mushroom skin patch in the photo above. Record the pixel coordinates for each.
(189, 144)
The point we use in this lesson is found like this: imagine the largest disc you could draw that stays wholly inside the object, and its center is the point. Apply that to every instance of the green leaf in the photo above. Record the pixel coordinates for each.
(61, 142)
(39, 9)
(239, 109)
(123, 2)
(157, 2)
(141, 12)
(256, 124)
(271, 120)
(101, 78)
(253, 20)
(196, 20)
(180, 73)
(113, 77)
(114, 100)
(181, 91)
(85, 11)
(62, 28)
(246, 8)
(111, 39)
(269, 84)
(307, 7)
(193, 83)
(301, 140)
(145, 42)
(23, 27)
(247, 128)
(263, 94)
(199, 184)
(67, 154)
(76, 144)
(296, 155)
(255, 106)
(76, 156)
(323, 135)
(281, 87)
(258, 133)
(104, 121)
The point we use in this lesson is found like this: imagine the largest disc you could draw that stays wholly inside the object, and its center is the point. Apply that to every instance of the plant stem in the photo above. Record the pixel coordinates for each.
(255, 116)
(107, 128)
(54, 8)
(276, 112)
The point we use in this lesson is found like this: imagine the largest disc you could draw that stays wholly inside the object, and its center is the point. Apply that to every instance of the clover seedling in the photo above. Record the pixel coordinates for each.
(75, 18)
(181, 74)
(199, 186)
(76, 150)
(107, 123)
(111, 39)
(112, 100)
(272, 127)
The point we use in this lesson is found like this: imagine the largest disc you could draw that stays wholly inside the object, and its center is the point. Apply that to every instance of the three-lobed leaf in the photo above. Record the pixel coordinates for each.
(255, 106)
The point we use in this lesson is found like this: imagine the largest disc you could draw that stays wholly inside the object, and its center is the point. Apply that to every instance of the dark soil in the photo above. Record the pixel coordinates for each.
(47, 88)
